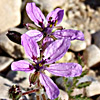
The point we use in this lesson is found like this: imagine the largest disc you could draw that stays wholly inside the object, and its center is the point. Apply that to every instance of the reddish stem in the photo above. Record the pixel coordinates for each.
(31, 91)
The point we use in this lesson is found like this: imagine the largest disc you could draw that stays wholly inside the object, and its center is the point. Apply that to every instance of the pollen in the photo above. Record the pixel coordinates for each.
(40, 65)
(55, 22)
(50, 25)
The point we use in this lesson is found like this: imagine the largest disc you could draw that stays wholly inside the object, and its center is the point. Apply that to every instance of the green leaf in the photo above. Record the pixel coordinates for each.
(75, 81)
(83, 74)
(80, 61)
(84, 84)
(58, 98)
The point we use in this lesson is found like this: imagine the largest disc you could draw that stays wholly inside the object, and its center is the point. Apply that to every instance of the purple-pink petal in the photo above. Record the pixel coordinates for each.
(22, 65)
(46, 42)
(30, 46)
(51, 88)
(69, 34)
(56, 50)
(35, 14)
(65, 69)
(56, 14)
(35, 34)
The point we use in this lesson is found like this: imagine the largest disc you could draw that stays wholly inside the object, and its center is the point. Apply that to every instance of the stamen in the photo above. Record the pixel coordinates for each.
(50, 25)
(55, 22)
(49, 58)
(53, 37)
(43, 62)
(40, 65)
(50, 18)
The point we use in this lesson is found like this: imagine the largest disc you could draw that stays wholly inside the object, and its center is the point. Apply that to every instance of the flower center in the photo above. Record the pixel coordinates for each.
(39, 65)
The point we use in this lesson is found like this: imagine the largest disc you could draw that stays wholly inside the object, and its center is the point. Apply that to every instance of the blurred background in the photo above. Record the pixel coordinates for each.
(81, 15)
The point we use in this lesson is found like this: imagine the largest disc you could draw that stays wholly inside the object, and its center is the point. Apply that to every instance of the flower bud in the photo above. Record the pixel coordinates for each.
(33, 78)
(15, 92)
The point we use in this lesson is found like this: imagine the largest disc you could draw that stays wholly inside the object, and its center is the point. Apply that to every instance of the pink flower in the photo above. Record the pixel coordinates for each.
(52, 53)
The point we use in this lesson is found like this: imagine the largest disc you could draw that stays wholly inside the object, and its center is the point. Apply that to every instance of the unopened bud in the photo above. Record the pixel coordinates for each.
(33, 78)
(15, 92)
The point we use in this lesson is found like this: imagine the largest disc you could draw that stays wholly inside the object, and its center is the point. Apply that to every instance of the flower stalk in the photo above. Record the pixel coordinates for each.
(31, 91)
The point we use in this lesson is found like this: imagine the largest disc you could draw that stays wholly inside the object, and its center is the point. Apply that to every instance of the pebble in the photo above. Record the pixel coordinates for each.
(93, 89)
(77, 45)
(96, 38)
(88, 38)
(51, 5)
(11, 48)
(69, 56)
(63, 95)
(19, 77)
(5, 62)
(5, 84)
(10, 14)
(92, 56)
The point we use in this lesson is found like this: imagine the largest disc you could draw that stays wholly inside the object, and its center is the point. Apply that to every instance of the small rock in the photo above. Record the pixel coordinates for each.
(10, 14)
(66, 24)
(77, 91)
(92, 73)
(63, 95)
(49, 5)
(4, 87)
(77, 45)
(96, 38)
(92, 56)
(1, 52)
(98, 98)
(93, 89)
(26, 19)
(98, 78)
(5, 62)
(67, 57)
(86, 78)
(71, 15)
(60, 82)
(20, 30)
(19, 77)
(87, 36)
(11, 48)
(48, 74)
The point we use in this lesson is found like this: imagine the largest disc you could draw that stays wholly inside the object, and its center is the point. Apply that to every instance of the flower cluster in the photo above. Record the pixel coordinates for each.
(45, 47)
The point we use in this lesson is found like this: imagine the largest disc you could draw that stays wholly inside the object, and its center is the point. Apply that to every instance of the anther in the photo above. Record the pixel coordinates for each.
(50, 25)
(48, 57)
(50, 18)
(40, 65)
(55, 22)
